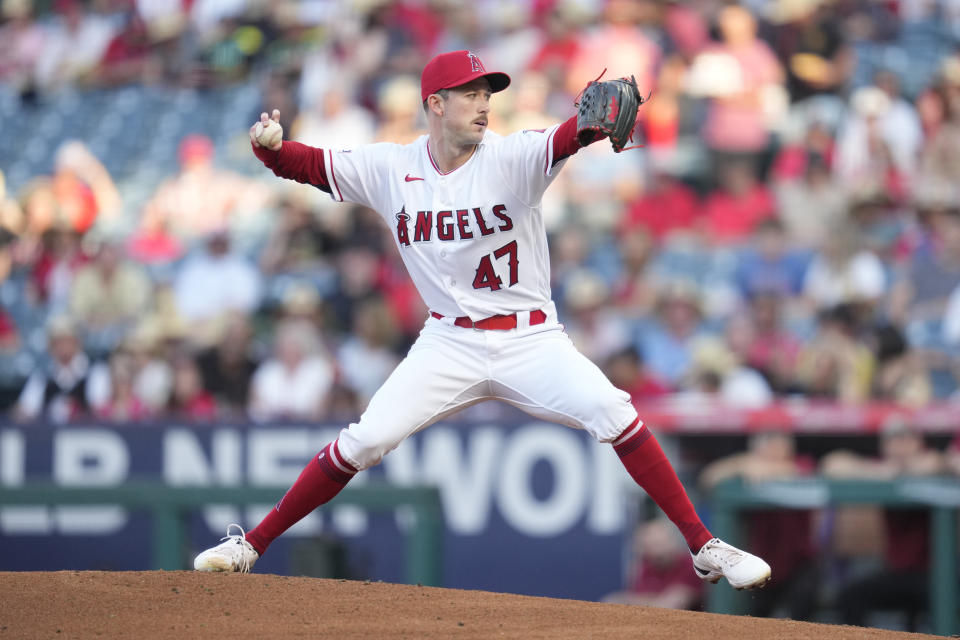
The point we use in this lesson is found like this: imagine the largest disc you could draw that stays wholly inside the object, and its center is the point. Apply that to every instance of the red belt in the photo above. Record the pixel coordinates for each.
(495, 322)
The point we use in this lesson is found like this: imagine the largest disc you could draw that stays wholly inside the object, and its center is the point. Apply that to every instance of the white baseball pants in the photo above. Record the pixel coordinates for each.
(535, 368)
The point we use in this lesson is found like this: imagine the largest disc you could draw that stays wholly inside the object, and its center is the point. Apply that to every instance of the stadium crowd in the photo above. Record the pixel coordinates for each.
(791, 227)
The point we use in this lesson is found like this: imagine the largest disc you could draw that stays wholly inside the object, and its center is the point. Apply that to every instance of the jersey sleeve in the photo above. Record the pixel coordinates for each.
(360, 175)
(528, 162)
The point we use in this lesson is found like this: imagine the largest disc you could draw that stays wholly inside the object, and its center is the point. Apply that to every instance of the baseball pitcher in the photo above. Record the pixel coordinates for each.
(463, 204)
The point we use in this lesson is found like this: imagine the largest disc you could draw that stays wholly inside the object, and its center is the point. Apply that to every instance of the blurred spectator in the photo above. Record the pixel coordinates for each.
(398, 105)
(11, 216)
(40, 214)
(901, 377)
(743, 104)
(57, 263)
(21, 46)
(805, 137)
(152, 374)
(298, 244)
(188, 399)
(365, 358)
(108, 294)
(83, 187)
(953, 456)
(593, 325)
(215, 281)
(810, 204)
(877, 144)
(616, 45)
(941, 155)
(203, 198)
(672, 123)
(733, 211)
(769, 348)
(529, 104)
(634, 289)
(359, 278)
(627, 371)
(834, 364)
(123, 404)
(906, 139)
(810, 41)
(76, 41)
(335, 121)
(951, 319)
(598, 184)
(152, 244)
(921, 292)
(664, 193)
(228, 366)
(660, 575)
(717, 374)
(902, 583)
(70, 386)
(9, 333)
(294, 383)
(769, 264)
(785, 535)
(129, 55)
(560, 45)
(843, 273)
(666, 343)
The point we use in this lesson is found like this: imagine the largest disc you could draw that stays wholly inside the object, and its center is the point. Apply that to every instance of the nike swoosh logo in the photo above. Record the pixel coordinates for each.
(410, 178)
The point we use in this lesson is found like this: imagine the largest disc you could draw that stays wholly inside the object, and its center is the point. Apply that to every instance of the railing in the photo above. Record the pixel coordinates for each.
(940, 495)
(171, 505)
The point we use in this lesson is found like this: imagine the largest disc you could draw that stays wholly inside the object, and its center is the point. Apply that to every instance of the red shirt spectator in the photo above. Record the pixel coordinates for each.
(734, 210)
(669, 205)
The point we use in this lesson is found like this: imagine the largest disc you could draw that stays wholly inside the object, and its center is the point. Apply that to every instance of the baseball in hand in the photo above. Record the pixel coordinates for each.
(268, 132)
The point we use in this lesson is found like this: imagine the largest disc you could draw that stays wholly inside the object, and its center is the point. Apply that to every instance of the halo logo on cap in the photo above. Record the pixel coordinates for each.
(455, 68)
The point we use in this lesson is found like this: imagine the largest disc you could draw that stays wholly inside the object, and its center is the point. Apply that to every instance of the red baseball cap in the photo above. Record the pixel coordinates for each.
(455, 68)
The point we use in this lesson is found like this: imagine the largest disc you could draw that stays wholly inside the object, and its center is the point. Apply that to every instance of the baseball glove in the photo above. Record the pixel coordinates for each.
(608, 108)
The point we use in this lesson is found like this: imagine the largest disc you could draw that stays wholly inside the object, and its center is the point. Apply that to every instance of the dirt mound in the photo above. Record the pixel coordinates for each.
(183, 604)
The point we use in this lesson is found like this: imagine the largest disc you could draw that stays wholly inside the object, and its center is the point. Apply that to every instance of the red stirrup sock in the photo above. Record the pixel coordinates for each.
(641, 454)
(319, 482)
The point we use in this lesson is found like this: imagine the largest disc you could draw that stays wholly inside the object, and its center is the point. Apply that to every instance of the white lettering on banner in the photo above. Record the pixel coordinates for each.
(490, 465)
(26, 521)
(477, 470)
(186, 464)
(349, 520)
(609, 489)
(89, 458)
(277, 456)
(466, 477)
(561, 510)
(19, 520)
(12, 458)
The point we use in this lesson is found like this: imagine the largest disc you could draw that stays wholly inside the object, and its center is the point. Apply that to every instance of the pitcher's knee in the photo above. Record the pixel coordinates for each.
(361, 450)
(612, 415)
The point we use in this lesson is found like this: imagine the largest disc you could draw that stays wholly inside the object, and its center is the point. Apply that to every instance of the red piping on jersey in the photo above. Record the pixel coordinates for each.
(333, 176)
(429, 155)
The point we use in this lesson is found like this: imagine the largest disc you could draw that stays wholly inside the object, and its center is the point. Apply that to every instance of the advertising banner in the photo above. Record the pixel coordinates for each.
(529, 507)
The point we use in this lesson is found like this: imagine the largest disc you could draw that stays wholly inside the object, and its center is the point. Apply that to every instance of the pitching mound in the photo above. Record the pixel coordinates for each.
(181, 604)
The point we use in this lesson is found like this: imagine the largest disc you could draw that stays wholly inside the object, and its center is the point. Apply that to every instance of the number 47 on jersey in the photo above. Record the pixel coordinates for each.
(486, 275)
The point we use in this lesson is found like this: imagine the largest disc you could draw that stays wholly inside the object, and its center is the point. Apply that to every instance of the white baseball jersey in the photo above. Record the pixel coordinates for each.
(472, 239)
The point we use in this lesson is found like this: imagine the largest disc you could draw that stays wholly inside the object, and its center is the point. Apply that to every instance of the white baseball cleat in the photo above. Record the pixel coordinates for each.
(234, 554)
(743, 570)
